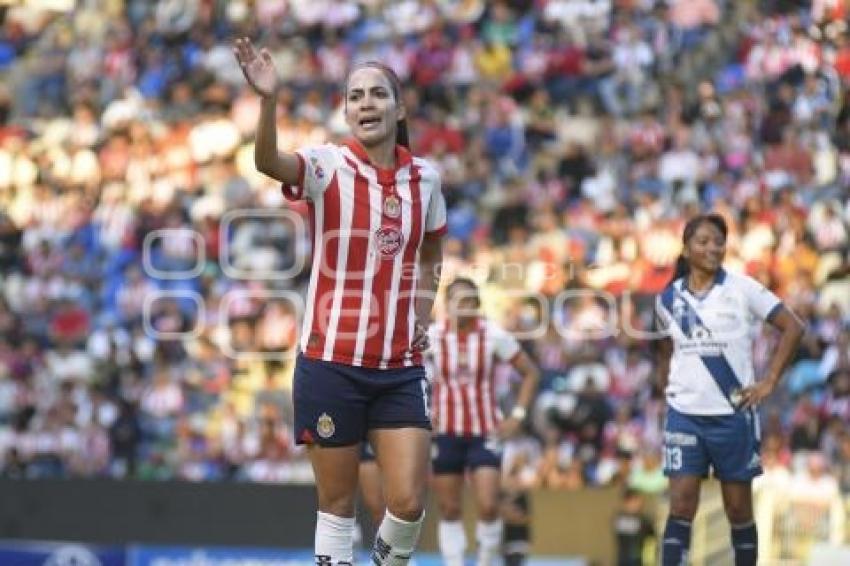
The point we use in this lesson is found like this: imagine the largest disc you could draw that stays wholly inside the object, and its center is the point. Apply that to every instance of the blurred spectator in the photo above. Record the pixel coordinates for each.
(633, 530)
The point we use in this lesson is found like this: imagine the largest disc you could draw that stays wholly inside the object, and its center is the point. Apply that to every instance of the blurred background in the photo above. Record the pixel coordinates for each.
(147, 331)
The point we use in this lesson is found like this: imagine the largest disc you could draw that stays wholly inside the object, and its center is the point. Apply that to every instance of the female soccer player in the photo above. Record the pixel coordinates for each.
(469, 426)
(705, 365)
(378, 216)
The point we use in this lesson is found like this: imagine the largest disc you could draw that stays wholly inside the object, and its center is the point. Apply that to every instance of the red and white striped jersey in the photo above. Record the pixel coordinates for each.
(464, 399)
(368, 224)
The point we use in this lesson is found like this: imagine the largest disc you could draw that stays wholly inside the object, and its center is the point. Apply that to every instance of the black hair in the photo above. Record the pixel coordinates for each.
(465, 281)
(402, 135)
(682, 265)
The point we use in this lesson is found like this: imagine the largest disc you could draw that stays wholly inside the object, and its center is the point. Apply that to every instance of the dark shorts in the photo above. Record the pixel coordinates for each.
(728, 444)
(336, 404)
(456, 454)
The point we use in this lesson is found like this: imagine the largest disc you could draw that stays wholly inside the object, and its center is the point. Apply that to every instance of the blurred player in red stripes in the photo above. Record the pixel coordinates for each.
(377, 215)
(468, 424)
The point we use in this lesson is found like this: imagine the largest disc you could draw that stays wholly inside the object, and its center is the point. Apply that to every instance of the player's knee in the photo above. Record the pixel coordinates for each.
(739, 512)
(450, 511)
(488, 512)
(339, 505)
(407, 507)
(684, 505)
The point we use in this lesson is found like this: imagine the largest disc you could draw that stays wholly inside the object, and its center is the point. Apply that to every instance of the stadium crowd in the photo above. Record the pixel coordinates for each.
(574, 138)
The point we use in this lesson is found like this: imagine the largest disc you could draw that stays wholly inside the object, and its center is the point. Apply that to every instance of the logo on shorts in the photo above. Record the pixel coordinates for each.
(493, 445)
(389, 240)
(680, 439)
(325, 426)
(755, 462)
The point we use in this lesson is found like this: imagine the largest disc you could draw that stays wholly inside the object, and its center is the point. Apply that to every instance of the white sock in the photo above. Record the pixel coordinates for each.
(395, 540)
(334, 540)
(489, 536)
(452, 540)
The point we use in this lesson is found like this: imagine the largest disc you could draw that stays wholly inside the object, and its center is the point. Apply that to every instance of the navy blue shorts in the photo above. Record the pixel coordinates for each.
(336, 404)
(729, 444)
(456, 454)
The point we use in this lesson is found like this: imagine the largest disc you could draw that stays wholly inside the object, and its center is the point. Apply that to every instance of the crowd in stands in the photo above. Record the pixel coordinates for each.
(147, 270)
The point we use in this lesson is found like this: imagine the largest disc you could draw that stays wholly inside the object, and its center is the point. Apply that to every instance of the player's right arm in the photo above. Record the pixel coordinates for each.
(260, 72)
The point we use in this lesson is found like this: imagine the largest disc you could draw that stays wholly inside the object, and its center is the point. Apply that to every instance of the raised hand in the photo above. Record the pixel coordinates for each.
(258, 68)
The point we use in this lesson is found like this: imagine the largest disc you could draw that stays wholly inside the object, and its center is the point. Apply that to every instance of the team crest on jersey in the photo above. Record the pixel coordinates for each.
(317, 169)
(389, 240)
(392, 207)
(325, 426)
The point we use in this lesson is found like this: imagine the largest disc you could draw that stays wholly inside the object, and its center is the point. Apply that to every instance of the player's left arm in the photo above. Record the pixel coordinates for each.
(430, 267)
(766, 305)
(430, 262)
(526, 367)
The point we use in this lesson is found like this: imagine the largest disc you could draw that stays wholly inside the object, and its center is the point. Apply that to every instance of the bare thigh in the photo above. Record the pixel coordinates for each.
(335, 469)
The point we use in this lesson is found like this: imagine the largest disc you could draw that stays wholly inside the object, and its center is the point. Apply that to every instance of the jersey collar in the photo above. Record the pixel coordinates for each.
(403, 157)
(719, 279)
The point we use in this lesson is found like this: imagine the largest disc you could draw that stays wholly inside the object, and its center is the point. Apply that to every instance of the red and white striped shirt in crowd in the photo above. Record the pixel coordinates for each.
(464, 399)
(368, 224)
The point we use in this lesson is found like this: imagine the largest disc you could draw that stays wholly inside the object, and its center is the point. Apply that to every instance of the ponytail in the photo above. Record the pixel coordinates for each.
(681, 270)
(402, 137)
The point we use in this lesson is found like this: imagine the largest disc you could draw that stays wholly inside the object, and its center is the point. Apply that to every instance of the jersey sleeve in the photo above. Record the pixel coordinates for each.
(761, 302)
(316, 168)
(435, 218)
(505, 346)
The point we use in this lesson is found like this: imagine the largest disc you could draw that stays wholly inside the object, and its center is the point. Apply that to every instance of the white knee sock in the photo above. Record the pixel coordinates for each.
(334, 540)
(489, 537)
(452, 540)
(395, 541)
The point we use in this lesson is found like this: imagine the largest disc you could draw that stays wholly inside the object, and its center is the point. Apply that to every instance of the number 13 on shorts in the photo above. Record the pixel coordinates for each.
(672, 458)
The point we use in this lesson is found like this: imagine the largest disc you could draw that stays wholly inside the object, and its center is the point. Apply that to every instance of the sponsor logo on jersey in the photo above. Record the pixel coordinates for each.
(317, 169)
(390, 241)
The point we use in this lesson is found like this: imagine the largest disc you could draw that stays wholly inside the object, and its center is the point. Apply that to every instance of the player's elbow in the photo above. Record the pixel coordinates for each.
(263, 164)
(432, 251)
(796, 330)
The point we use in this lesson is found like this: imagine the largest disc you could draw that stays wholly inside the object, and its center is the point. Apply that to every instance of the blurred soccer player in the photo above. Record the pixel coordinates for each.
(710, 318)
(371, 489)
(378, 216)
(633, 530)
(468, 425)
